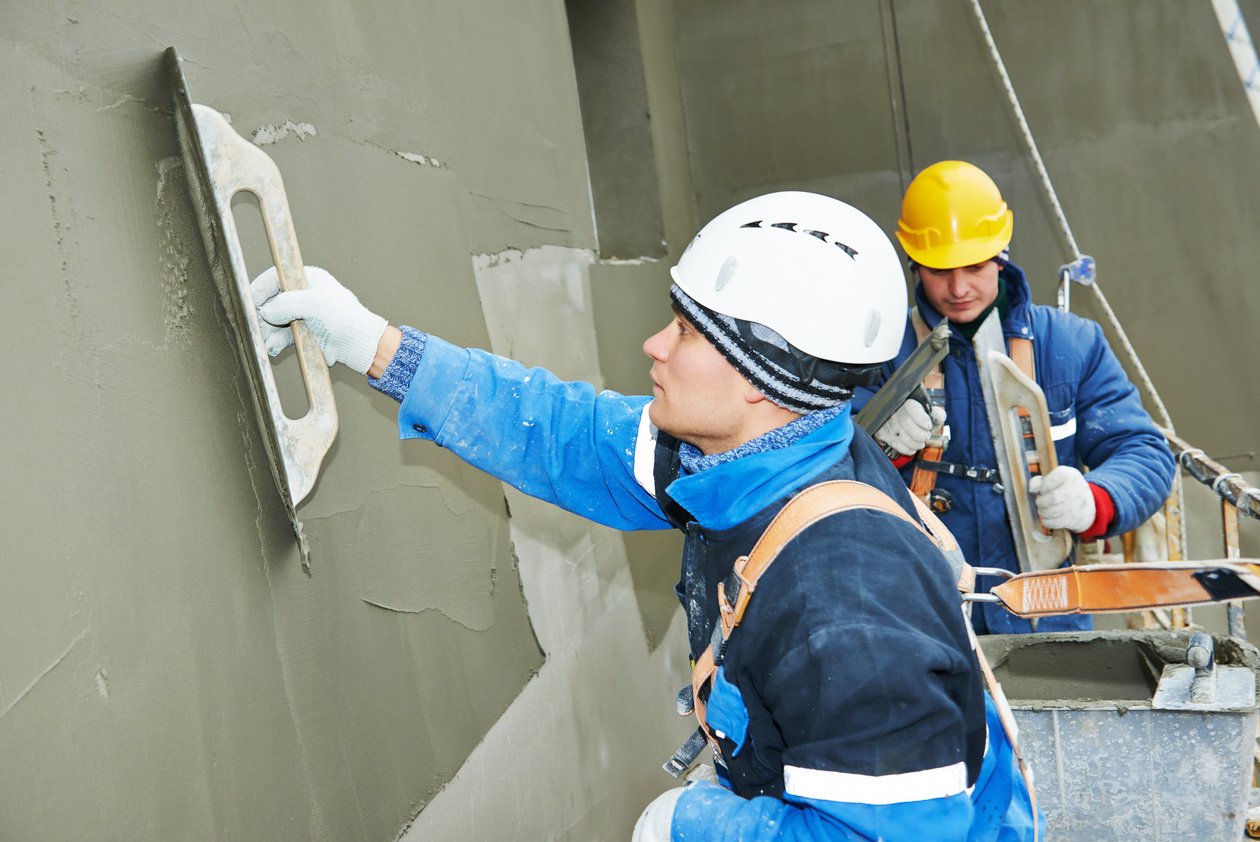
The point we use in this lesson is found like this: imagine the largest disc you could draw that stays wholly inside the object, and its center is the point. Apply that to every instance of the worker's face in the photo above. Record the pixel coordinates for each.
(962, 294)
(698, 396)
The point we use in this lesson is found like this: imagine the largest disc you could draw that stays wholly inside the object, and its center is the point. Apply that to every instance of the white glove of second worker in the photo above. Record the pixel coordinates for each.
(347, 332)
(1064, 500)
(910, 427)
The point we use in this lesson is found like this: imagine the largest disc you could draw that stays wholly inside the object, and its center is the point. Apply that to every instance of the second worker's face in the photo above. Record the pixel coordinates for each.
(962, 294)
(698, 396)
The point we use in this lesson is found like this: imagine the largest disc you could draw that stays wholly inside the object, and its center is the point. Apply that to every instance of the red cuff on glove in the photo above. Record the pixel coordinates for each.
(1104, 513)
(901, 461)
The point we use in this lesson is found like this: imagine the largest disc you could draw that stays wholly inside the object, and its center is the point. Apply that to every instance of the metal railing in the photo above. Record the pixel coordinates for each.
(1237, 498)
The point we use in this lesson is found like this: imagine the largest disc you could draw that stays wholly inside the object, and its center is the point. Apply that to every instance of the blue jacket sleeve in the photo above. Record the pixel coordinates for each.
(1127, 455)
(558, 441)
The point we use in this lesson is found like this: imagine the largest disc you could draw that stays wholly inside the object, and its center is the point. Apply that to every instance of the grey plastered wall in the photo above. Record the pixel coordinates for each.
(168, 670)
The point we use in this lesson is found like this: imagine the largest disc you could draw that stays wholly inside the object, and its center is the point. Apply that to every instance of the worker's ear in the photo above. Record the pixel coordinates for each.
(752, 395)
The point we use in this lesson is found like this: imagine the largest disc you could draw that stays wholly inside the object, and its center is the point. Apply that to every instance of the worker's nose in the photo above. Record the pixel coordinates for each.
(957, 283)
(656, 346)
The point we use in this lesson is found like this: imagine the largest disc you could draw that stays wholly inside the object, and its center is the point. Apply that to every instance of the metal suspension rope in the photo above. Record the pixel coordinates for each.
(1064, 228)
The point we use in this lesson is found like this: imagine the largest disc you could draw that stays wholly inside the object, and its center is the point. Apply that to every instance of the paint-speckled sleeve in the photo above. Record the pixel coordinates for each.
(559, 441)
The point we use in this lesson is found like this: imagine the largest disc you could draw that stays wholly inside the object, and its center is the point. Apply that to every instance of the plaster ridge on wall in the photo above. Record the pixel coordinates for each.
(513, 254)
(417, 158)
(85, 95)
(401, 609)
(442, 487)
(272, 133)
(628, 261)
(534, 205)
(46, 670)
(497, 203)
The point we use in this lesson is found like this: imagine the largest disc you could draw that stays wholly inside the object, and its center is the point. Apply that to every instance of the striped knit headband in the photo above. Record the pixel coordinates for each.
(792, 380)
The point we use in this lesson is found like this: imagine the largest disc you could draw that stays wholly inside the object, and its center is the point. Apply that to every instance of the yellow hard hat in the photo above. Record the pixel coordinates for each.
(953, 215)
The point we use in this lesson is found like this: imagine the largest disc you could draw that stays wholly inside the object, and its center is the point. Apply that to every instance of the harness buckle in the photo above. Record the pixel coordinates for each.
(685, 757)
(940, 501)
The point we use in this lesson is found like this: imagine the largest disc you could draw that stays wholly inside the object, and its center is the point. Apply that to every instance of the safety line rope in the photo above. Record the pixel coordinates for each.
(1057, 208)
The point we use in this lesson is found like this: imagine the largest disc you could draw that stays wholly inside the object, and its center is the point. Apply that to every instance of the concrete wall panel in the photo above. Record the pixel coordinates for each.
(169, 670)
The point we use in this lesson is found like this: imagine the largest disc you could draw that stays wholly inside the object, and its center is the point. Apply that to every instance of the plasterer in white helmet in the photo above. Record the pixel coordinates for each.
(848, 703)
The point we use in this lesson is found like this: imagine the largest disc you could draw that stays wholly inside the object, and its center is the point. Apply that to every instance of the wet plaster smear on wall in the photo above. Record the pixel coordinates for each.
(459, 660)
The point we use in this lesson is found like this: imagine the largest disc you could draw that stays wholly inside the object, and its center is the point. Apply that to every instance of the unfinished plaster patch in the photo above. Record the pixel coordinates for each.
(429, 548)
(525, 293)
(266, 135)
(170, 211)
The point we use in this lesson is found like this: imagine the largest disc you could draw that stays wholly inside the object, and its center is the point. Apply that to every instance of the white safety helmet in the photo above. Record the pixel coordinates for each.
(817, 271)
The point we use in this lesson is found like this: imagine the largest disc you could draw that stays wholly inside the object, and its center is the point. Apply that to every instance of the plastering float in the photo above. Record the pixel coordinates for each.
(220, 164)
(1015, 405)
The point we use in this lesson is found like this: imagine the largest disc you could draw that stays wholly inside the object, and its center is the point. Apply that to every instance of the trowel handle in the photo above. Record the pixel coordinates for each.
(316, 377)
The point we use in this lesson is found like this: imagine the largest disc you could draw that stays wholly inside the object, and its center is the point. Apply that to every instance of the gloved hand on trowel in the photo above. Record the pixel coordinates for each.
(347, 332)
(908, 429)
(1065, 500)
(656, 822)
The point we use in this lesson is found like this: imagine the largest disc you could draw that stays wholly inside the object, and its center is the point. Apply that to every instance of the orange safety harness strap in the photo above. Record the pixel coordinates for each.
(1112, 588)
(802, 511)
(923, 481)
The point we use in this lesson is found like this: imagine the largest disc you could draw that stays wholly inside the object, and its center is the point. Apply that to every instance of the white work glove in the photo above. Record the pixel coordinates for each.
(910, 427)
(657, 818)
(1064, 500)
(656, 822)
(347, 332)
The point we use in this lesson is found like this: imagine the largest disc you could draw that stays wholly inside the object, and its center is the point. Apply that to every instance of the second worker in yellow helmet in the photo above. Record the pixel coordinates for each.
(956, 230)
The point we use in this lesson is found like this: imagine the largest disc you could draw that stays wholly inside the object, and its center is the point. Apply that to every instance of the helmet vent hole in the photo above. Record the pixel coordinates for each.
(725, 274)
(819, 235)
(873, 321)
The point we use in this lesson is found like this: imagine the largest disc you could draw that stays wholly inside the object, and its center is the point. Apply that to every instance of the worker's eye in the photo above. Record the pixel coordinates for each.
(683, 327)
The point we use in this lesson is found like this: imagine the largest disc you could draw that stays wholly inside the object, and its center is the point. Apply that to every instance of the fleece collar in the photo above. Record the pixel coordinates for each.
(726, 489)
